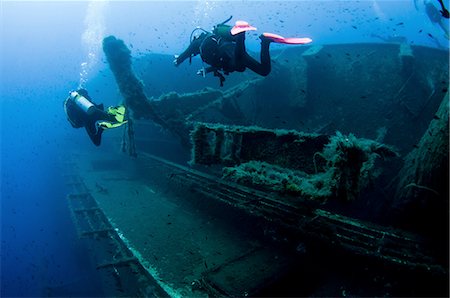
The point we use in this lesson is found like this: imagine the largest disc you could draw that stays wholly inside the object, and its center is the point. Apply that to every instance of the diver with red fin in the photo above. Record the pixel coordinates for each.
(224, 49)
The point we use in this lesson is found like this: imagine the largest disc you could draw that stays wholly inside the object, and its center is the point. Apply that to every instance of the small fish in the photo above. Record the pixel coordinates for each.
(436, 117)
(354, 27)
(430, 35)
(363, 96)
(206, 265)
(399, 24)
(150, 190)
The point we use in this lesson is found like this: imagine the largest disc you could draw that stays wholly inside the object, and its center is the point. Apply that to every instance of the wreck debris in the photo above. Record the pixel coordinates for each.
(352, 161)
(230, 145)
(267, 176)
(119, 59)
(423, 180)
(132, 89)
(285, 161)
(393, 246)
(128, 143)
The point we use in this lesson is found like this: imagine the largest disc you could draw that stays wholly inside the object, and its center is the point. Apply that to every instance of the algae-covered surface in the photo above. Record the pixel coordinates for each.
(177, 238)
(196, 246)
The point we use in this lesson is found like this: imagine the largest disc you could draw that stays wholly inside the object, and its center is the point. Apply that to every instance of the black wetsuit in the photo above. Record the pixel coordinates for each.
(227, 54)
(79, 118)
(444, 12)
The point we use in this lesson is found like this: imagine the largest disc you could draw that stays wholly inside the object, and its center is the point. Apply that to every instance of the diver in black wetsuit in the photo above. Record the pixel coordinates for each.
(224, 50)
(436, 16)
(444, 12)
(81, 111)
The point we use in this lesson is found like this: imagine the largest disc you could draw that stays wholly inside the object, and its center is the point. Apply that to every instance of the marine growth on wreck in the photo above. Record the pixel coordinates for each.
(328, 142)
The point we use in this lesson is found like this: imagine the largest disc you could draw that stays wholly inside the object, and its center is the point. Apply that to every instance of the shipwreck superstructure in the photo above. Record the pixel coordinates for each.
(308, 161)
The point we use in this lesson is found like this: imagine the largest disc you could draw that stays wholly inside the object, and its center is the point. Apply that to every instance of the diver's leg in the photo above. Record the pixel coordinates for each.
(94, 133)
(93, 130)
(96, 114)
(265, 66)
(240, 52)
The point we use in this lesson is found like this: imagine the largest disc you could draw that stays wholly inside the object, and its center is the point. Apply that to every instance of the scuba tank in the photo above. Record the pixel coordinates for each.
(210, 46)
(76, 107)
(81, 101)
(221, 30)
(224, 31)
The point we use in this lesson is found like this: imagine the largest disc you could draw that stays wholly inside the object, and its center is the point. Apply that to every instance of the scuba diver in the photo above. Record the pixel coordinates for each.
(438, 15)
(224, 49)
(81, 111)
(444, 11)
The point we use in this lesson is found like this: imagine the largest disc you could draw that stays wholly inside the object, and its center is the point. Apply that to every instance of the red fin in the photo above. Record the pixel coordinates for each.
(287, 40)
(241, 26)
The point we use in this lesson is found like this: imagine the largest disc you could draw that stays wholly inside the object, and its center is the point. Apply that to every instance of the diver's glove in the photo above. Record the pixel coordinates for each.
(202, 72)
(175, 62)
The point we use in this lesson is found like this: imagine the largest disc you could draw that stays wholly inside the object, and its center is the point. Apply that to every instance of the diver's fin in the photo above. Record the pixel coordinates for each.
(241, 26)
(94, 133)
(118, 112)
(107, 125)
(286, 40)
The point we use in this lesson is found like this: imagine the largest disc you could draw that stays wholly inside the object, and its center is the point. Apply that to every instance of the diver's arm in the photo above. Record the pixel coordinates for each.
(203, 71)
(192, 50)
(183, 56)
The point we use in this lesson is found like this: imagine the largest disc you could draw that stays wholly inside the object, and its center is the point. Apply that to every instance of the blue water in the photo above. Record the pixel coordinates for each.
(42, 56)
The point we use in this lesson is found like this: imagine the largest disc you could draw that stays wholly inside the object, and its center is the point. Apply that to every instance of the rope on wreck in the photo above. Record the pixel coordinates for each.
(128, 143)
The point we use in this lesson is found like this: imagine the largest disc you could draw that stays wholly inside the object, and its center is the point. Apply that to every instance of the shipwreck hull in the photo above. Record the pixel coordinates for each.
(161, 229)
(211, 222)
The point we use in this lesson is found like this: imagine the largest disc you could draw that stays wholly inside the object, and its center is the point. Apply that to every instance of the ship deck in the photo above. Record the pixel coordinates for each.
(158, 228)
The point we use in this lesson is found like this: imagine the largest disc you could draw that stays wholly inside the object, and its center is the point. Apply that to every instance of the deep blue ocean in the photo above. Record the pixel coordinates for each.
(50, 48)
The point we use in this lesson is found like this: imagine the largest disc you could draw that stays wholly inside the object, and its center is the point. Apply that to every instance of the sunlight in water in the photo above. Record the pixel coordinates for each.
(202, 12)
(92, 37)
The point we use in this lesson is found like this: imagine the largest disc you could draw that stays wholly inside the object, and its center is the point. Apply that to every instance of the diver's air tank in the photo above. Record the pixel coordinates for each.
(81, 101)
(223, 31)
